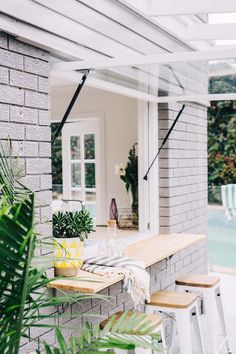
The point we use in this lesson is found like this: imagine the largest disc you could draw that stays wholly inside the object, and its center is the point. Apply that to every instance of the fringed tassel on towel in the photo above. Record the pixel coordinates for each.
(136, 279)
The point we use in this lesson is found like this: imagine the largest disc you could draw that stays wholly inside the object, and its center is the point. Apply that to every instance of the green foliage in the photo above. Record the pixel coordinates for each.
(221, 136)
(129, 332)
(72, 224)
(16, 249)
(11, 188)
(130, 176)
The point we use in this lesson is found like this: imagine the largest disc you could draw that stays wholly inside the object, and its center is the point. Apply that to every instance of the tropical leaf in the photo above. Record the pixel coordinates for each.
(11, 188)
(130, 331)
(17, 242)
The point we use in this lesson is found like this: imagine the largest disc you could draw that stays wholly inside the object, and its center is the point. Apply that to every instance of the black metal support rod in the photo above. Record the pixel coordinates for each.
(69, 108)
(164, 141)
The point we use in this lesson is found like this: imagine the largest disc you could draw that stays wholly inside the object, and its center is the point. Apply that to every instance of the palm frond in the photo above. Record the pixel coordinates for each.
(130, 331)
(11, 187)
(16, 249)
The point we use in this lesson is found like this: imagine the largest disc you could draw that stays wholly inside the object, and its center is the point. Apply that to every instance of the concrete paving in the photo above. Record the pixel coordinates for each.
(228, 289)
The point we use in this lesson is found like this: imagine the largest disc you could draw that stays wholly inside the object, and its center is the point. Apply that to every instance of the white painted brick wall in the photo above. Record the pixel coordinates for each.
(33, 133)
(11, 60)
(24, 115)
(19, 87)
(183, 169)
(23, 80)
(4, 112)
(12, 95)
(36, 66)
(36, 100)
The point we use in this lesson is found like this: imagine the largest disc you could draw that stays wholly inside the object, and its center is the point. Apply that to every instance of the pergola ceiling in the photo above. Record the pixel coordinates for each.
(135, 43)
(194, 24)
(188, 7)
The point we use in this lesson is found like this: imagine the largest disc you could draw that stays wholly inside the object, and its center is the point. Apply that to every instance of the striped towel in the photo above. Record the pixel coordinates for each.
(228, 194)
(136, 279)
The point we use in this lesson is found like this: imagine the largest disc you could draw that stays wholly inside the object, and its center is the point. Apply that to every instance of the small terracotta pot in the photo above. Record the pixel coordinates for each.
(71, 254)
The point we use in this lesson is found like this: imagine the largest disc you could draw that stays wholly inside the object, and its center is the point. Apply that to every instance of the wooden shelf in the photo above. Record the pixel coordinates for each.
(157, 248)
(149, 251)
(85, 283)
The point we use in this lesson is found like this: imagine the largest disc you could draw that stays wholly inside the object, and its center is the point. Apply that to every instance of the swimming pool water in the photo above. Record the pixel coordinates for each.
(221, 239)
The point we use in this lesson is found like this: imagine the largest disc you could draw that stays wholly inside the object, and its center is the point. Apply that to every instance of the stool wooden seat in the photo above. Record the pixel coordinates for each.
(198, 280)
(155, 320)
(183, 307)
(172, 299)
(208, 287)
(156, 324)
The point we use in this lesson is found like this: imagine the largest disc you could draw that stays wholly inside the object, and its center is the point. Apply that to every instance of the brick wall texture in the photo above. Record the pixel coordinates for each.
(24, 100)
(24, 117)
(183, 161)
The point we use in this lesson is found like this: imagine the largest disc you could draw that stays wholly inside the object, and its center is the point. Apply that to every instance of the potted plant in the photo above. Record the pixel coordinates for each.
(70, 229)
(129, 175)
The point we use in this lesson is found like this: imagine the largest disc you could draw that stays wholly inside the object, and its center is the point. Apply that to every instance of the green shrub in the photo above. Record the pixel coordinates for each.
(72, 224)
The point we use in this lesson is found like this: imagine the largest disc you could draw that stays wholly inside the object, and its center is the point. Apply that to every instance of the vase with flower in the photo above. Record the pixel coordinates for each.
(129, 175)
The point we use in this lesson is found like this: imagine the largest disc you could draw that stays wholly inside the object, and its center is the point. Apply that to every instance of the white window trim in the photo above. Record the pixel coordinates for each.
(147, 121)
(101, 175)
(147, 148)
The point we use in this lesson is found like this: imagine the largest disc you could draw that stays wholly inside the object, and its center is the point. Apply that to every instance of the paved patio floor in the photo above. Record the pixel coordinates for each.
(228, 286)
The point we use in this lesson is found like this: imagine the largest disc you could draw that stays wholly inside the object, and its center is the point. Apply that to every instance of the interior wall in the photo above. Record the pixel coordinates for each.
(119, 114)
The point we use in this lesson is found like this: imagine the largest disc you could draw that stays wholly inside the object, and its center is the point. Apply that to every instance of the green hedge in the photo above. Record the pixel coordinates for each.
(221, 137)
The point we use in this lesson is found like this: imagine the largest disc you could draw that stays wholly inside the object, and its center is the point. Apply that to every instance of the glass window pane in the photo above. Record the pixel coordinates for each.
(91, 207)
(90, 196)
(76, 195)
(89, 146)
(75, 147)
(76, 175)
(90, 175)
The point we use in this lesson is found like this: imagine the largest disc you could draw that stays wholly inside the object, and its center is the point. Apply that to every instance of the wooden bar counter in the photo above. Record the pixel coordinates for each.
(150, 251)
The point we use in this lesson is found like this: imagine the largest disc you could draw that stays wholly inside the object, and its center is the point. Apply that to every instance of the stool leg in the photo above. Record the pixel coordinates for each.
(210, 304)
(149, 309)
(173, 337)
(179, 288)
(184, 331)
(222, 317)
(160, 330)
(163, 339)
(197, 328)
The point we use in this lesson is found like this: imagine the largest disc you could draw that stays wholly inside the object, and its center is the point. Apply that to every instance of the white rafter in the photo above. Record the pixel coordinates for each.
(147, 59)
(189, 7)
(121, 90)
(210, 31)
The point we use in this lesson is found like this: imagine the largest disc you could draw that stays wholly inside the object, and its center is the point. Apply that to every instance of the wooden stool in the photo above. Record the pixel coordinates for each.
(156, 321)
(209, 288)
(184, 307)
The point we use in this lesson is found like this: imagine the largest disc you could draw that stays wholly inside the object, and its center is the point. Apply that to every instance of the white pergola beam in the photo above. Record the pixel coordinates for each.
(125, 91)
(106, 86)
(207, 32)
(189, 7)
(198, 98)
(166, 58)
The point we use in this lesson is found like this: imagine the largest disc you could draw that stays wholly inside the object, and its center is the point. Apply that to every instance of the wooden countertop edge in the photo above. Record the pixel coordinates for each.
(177, 249)
(106, 282)
(101, 283)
